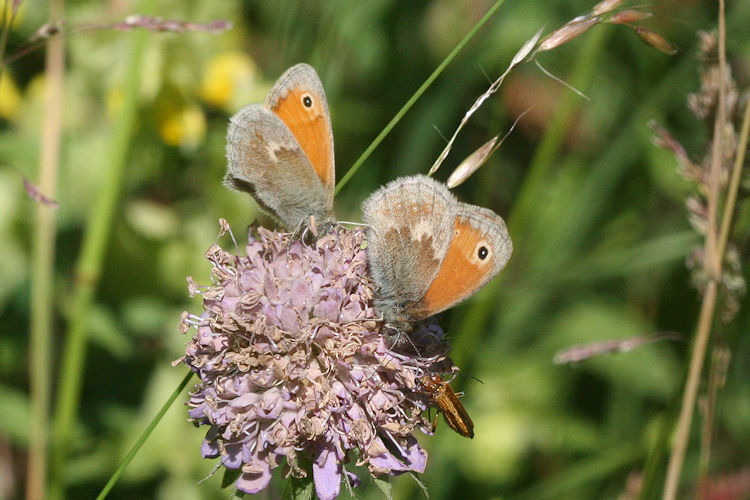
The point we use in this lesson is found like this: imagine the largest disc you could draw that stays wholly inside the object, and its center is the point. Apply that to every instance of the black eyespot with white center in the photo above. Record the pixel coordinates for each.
(307, 101)
(483, 252)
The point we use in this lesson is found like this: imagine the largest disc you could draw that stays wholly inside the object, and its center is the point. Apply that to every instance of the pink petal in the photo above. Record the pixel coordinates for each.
(232, 459)
(354, 480)
(327, 475)
(253, 482)
(416, 456)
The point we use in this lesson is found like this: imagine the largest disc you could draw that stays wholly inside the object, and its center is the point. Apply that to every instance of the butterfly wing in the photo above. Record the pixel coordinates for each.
(479, 249)
(409, 234)
(299, 100)
(428, 251)
(265, 160)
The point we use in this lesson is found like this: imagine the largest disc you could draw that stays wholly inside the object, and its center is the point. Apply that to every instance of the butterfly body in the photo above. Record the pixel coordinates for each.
(281, 152)
(427, 250)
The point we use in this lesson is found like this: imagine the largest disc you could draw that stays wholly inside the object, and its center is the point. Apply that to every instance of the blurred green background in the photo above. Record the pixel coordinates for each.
(596, 213)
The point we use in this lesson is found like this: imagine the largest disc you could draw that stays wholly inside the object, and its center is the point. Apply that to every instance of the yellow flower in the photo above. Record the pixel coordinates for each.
(183, 127)
(226, 76)
(10, 96)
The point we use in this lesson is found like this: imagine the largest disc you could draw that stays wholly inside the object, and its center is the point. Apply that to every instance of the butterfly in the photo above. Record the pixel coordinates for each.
(427, 251)
(281, 151)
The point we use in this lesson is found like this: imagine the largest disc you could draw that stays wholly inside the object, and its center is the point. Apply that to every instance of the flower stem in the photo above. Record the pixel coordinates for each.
(713, 259)
(720, 357)
(43, 271)
(715, 247)
(6, 25)
(88, 269)
(146, 433)
(682, 433)
(734, 183)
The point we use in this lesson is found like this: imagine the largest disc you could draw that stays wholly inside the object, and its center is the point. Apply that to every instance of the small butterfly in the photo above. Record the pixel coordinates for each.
(281, 152)
(428, 251)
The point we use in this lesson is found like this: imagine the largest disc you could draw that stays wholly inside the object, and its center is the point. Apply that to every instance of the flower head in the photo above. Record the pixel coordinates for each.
(293, 368)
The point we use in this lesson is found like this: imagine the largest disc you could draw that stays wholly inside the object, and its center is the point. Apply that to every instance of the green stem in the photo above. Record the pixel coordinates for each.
(367, 152)
(5, 27)
(43, 270)
(714, 247)
(734, 183)
(682, 432)
(89, 266)
(146, 433)
(713, 260)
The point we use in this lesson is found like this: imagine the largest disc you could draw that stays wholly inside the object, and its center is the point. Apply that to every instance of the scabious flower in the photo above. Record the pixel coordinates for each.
(293, 368)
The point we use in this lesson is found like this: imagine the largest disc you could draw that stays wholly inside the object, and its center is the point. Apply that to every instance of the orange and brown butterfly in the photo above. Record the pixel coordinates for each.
(442, 396)
(281, 151)
(428, 251)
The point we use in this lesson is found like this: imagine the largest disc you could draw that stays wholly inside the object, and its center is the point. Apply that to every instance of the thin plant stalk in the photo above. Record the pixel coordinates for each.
(682, 433)
(713, 260)
(89, 266)
(726, 222)
(43, 269)
(734, 182)
(7, 25)
(715, 247)
(413, 99)
(144, 436)
(716, 377)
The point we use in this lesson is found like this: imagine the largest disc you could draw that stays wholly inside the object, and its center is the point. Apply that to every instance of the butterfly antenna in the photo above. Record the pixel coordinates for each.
(399, 339)
(305, 229)
(395, 340)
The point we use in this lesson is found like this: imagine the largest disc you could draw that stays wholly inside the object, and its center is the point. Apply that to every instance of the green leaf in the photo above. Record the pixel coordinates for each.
(302, 488)
(229, 477)
(421, 485)
(385, 486)
(347, 483)
(16, 414)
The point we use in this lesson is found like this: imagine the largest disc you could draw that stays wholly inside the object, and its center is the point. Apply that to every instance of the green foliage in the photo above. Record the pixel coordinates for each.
(385, 487)
(596, 213)
(229, 477)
